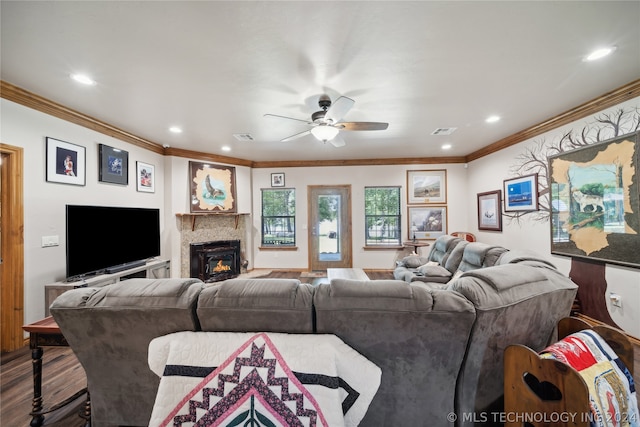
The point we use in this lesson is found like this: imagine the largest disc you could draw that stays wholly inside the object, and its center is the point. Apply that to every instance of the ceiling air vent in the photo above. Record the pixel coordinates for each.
(443, 131)
(243, 136)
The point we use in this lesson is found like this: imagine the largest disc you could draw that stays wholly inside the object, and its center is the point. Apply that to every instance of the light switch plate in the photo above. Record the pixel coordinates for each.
(49, 241)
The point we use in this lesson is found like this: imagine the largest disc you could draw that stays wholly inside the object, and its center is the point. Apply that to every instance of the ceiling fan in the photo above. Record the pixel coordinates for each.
(326, 125)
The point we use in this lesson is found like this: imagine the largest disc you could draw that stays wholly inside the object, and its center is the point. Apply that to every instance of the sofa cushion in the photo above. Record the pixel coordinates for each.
(442, 248)
(416, 334)
(453, 261)
(479, 255)
(257, 305)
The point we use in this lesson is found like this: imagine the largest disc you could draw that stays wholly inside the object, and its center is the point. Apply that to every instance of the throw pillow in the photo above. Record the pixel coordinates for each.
(434, 271)
(413, 261)
(432, 263)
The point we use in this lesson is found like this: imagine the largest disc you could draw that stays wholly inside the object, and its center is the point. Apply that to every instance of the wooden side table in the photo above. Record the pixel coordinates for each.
(415, 245)
(46, 333)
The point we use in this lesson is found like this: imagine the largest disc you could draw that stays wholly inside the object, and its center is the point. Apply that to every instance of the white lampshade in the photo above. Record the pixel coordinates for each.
(324, 132)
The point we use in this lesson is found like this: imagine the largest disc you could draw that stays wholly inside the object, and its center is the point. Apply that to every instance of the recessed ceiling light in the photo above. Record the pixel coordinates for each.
(600, 53)
(492, 119)
(446, 146)
(226, 148)
(175, 129)
(84, 79)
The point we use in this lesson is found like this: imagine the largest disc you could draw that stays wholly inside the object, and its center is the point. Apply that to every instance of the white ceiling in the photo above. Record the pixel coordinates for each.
(215, 68)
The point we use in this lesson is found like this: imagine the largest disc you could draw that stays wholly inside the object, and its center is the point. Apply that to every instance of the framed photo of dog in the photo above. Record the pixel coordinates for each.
(594, 201)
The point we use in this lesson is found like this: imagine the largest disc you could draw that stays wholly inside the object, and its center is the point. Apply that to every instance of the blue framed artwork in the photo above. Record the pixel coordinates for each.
(521, 194)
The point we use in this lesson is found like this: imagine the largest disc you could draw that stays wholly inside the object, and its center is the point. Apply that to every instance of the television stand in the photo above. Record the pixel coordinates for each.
(154, 269)
(122, 267)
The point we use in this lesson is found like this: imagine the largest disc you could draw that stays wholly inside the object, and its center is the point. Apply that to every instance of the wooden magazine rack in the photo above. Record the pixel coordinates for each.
(560, 392)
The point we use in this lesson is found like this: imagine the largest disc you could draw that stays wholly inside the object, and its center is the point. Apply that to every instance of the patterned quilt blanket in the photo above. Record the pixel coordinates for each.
(612, 393)
(259, 379)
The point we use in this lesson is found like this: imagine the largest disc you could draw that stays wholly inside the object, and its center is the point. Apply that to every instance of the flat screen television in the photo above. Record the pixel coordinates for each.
(103, 239)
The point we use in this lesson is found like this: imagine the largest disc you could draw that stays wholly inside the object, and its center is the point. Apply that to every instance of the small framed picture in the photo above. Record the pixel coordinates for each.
(427, 222)
(66, 162)
(145, 177)
(114, 165)
(277, 180)
(521, 194)
(426, 187)
(490, 211)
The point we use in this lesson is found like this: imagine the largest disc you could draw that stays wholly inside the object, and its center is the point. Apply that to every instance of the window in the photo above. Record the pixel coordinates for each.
(278, 217)
(382, 216)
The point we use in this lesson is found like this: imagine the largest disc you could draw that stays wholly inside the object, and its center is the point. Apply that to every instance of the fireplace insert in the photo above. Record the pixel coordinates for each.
(215, 261)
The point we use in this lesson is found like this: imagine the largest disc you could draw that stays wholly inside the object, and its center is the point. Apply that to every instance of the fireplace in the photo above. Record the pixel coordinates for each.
(215, 261)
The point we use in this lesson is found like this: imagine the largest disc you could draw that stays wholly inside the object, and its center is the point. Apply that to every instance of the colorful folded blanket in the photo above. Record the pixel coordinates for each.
(259, 379)
(612, 393)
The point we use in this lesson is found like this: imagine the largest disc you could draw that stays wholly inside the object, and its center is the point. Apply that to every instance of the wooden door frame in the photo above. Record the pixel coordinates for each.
(12, 241)
(347, 228)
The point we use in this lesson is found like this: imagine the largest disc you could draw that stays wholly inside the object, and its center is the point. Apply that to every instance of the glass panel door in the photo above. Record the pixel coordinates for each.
(329, 227)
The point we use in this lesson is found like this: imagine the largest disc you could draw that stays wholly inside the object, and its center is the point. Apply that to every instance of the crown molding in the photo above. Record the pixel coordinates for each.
(623, 93)
(28, 99)
(37, 102)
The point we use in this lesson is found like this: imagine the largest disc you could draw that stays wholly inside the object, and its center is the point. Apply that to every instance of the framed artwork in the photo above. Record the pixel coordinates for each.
(277, 180)
(427, 186)
(213, 187)
(490, 211)
(145, 177)
(427, 222)
(114, 165)
(66, 162)
(595, 206)
(521, 194)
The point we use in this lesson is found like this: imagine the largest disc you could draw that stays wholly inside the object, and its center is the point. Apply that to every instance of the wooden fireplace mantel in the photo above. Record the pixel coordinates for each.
(201, 214)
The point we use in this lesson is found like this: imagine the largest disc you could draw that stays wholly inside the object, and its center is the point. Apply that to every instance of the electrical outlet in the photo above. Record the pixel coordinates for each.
(49, 241)
(616, 300)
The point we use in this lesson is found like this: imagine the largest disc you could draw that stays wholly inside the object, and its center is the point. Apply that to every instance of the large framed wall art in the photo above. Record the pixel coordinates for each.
(595, 203)
(213, 187)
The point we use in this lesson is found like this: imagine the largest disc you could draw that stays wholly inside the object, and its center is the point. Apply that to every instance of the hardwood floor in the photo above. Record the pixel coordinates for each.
(63, 376)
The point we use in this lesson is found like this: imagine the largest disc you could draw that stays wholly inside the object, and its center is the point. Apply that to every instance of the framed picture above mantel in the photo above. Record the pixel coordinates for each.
(213, 188)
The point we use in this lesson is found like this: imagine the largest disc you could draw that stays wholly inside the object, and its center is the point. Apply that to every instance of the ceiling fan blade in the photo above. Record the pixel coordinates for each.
(363, 125)
(338, 109)
(337, 141)
(296, 136)
(275, 116)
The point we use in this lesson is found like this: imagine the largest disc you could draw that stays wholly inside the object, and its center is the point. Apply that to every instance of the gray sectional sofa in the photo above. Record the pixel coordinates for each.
(439, 346)
(448, 256)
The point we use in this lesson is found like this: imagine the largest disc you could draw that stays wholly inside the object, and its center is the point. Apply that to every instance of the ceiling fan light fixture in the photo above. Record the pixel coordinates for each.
(324, 133)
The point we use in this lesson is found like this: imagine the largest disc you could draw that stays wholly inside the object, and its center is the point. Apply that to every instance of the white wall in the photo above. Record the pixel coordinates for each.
(533, 232)
(358, 177)
(44, 204)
